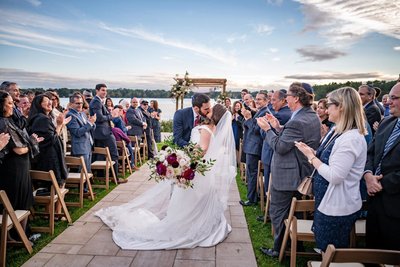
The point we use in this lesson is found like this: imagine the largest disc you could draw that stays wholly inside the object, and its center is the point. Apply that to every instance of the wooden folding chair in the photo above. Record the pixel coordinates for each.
(349, 256)
(107, 164)
(297, 229)
(358, 231)
(9, 219)
(56, 196)
(78, 179)
(124, 157)
(143, 146)
(260, 185)
(268, 203)
(242, 165)
(136, 149)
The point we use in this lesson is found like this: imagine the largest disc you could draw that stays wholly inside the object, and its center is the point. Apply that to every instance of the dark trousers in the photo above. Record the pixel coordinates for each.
(267, 172)
(251, 174)
(111, 143)
(382, 231)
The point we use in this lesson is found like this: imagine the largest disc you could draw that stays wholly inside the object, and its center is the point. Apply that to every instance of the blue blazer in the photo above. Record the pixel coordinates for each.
(103, 118)
(283, 115)
(252, 143)
(80, 133)
(182, 126)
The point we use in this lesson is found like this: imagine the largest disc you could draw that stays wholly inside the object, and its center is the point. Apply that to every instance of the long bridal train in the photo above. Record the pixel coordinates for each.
(169, 217)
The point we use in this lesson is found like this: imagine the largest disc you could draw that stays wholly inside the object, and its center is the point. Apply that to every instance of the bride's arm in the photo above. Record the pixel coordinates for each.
(205, 138)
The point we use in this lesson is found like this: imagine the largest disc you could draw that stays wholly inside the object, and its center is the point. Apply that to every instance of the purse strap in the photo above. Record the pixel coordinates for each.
(312, 174)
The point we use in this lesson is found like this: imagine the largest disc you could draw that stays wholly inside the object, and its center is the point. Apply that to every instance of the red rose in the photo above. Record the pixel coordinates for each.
(188, 174)
(171, 158)
(161, 169)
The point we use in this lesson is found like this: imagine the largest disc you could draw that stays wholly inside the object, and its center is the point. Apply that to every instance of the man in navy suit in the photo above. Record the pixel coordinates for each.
(372, 111)
(382, 176)
(103, 136)
(81, 128)
(185, 119)
(252, 146)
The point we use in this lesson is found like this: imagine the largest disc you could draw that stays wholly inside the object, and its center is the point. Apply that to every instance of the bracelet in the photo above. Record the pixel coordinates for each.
(310, 160)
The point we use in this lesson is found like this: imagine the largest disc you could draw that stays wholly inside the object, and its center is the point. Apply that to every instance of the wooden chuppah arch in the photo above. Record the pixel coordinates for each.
(199, 82)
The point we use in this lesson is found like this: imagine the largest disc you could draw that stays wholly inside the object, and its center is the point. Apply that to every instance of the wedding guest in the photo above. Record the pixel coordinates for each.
(109, 104)
(87, 94)
(322, 112)
(372, 111)
(339, 162)
(81, 129)
(377, 103)
(13, 89)
(103, 136)
(31, 95)
(144, 105)
(228, 104)
(135, 119)
(270, 94)
(55, 102)
(385, 102)
(16, 149)
(237, 126)
(252, 146)
(24, 105)
(288, 168)
(155, 113)
(242, 94)
(40, 122)
(57, 109)
(125, 106)
(248, 103)
(118, 121)
(381, 174)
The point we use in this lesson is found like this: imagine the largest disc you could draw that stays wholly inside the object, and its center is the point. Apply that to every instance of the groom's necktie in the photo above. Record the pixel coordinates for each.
(197, 120)
(389, 143)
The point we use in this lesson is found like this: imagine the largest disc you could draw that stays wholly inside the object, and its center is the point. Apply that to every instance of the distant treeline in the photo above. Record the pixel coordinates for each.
(320, 90)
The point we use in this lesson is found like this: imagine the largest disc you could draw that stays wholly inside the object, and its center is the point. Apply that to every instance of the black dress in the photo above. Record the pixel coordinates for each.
(14, 168)
(51, 156)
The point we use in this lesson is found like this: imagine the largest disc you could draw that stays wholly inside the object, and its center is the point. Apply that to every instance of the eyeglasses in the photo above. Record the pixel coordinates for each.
(393, 97)
(145, 104)
(79, 103)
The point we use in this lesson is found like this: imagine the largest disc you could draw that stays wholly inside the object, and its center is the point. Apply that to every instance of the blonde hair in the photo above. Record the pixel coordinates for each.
(351, 110)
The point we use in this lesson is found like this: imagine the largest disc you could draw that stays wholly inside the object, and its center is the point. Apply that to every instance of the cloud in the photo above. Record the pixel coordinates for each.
(315, 53)
(264, 29)
(344, 22)
(342, 76)
(234, 38)
(396, 48)
(4, 42)
(276, 59)
(273, 50)
(34, 2)
(214, 53)
(275, 2)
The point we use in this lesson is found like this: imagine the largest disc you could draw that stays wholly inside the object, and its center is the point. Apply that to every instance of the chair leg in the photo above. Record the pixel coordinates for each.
(81, 185)
(107, 178)
(52, 215)
(3, 244)
(293, 252)
(284, 243)
(89, 185)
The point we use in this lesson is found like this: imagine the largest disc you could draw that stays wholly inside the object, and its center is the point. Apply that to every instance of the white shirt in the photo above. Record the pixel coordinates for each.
(344, 172)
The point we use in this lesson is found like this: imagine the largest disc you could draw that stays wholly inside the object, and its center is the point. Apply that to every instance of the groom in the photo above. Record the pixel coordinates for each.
(186, 119)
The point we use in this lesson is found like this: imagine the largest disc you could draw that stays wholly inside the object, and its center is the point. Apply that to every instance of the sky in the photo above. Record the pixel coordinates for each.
(254, 44)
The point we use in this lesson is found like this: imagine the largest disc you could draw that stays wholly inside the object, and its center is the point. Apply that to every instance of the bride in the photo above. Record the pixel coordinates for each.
(170, 217)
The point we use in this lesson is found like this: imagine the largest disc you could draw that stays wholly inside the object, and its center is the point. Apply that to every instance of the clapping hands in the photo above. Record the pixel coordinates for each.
(61, 120)
(92, 119)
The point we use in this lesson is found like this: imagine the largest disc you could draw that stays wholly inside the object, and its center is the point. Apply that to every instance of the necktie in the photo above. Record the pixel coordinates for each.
(197, 120)
(389, 143)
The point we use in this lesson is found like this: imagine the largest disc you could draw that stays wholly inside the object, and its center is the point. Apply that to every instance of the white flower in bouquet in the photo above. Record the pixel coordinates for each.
(170, 172)
(165, 163)
(161, 158)
(177, 171)
(183, 162)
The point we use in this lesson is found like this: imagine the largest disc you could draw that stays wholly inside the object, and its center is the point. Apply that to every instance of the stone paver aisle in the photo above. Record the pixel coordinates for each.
(89, 243)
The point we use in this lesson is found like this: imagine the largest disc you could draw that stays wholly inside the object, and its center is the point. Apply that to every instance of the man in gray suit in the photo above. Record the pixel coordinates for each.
(288, 166)
(135, 119)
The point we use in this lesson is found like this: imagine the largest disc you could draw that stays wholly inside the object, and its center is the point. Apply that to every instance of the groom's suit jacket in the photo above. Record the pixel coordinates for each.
(289, 165)
(182, 126)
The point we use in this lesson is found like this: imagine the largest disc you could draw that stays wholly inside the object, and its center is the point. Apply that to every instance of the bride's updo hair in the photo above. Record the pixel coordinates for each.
(217, 112)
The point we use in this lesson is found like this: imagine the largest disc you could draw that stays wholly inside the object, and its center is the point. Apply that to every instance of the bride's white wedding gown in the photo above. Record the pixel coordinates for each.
(169, 217)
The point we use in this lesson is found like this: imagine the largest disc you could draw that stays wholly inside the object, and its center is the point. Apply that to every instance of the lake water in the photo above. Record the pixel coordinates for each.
(167, 105)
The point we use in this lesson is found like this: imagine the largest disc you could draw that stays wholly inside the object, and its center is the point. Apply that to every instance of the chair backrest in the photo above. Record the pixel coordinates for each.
(103, 151)
(356, 255)
(77, 162)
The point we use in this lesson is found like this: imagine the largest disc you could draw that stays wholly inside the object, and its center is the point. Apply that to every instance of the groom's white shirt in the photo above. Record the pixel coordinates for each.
(194, 116)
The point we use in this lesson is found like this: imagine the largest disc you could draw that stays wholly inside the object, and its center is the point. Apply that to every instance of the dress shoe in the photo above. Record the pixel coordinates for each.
(122, 181)
(270, 252)
(247, 203)
(135, 168)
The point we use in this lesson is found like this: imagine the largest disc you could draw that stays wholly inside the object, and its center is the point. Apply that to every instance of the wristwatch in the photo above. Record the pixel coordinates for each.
(310, 160)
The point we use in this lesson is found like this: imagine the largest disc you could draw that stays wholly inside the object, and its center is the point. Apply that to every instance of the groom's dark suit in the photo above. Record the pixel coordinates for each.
(182, 126)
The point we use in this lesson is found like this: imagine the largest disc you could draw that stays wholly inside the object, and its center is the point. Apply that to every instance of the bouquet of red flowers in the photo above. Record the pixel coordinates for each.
(179, 165)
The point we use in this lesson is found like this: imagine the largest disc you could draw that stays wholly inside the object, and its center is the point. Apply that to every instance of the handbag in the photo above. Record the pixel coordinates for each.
(305, 187)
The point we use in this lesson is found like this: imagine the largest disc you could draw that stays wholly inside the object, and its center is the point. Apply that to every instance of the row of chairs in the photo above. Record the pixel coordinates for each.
(297, 229)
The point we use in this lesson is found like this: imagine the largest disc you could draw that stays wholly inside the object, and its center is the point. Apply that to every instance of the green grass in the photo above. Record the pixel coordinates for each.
(260, 233)
(16, 256)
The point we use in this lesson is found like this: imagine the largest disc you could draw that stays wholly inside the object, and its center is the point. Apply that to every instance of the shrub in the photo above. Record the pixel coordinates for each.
(166, 126)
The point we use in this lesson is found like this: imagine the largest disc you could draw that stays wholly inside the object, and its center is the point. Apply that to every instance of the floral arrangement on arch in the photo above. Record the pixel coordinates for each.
(222, 96)
(181, 87)
(179, 165)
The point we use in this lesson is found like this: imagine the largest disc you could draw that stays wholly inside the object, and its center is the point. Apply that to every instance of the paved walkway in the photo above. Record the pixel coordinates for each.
(89, 243)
